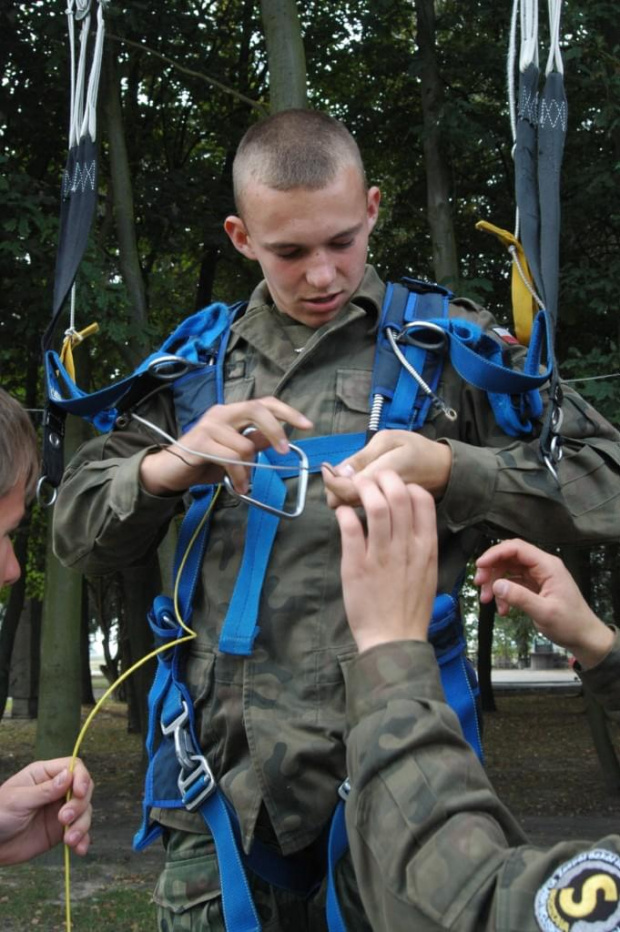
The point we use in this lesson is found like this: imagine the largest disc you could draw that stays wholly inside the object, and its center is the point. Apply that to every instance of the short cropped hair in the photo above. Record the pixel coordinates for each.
(294, 149)
(19, 454)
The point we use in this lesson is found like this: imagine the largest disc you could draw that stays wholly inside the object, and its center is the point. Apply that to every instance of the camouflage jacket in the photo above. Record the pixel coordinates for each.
(432, 846)
(272, 725)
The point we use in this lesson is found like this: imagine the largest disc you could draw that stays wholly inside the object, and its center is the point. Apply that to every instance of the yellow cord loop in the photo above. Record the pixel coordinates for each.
(523, 289)
(190, 635)
(72, 339)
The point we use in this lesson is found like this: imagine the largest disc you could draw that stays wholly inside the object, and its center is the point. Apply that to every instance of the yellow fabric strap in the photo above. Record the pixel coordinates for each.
(524, 306)
(74, 338)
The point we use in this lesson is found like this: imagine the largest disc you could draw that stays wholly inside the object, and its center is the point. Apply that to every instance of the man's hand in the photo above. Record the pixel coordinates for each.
(389, 575)
(520, 575)
(219, 432)
(414, 458)
(34, 816)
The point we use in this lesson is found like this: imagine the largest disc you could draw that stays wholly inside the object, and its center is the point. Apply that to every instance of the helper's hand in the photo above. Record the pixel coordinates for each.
(414, 458)
(219, 432)
(389, 575)
(518, 574)
(34, 815)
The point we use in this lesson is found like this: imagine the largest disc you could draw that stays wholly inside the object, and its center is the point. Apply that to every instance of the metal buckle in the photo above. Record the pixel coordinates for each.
(202, 770)
(302, 486)
(188, 760)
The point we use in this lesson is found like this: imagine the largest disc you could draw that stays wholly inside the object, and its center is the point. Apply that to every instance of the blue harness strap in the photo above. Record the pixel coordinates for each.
(188, 350)
(240, 628)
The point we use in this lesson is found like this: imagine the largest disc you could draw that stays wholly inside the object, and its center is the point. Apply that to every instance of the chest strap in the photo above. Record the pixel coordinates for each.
(240, 625)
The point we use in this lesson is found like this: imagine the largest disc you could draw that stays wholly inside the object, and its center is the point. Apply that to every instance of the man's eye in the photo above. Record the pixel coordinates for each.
(342, 245)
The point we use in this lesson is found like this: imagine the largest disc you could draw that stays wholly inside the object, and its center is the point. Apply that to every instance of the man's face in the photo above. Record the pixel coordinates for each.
(11, 513)
(311, 244)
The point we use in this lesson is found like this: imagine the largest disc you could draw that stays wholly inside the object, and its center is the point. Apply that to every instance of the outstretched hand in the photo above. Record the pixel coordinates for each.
(389, 574)
(519, 575)
(34, 815)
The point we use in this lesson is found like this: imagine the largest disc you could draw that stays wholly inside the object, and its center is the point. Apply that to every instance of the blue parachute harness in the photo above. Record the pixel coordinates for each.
(415, 336)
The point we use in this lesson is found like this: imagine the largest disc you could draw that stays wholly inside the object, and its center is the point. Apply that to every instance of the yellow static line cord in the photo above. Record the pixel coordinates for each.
(189, 637)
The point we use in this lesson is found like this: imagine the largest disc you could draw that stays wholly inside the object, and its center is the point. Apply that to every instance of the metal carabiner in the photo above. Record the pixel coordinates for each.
(302, 486)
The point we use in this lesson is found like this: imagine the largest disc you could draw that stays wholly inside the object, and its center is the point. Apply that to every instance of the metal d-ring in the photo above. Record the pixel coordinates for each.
(449, 412)
(46, 502)
(405, 335)
(302, 486)
(167, 368)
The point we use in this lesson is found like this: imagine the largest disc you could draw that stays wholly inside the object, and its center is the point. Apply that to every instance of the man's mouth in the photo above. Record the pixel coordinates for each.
(323, 302)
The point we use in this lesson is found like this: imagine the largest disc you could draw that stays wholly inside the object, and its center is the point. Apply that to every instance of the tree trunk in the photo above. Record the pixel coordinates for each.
(122, 194)
(578, 562)
(140, 586)
(88, 697)
(486, 623)
(440, 217)
(285, 53)
(60, 685)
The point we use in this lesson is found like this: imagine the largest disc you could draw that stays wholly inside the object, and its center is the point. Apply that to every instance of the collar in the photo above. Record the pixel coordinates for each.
(261, 313)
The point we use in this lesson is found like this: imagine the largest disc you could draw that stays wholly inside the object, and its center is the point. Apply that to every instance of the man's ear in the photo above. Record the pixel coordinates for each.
(373, 200)
(239, 236)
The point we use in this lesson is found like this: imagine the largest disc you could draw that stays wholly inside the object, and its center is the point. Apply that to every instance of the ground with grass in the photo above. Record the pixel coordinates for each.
(539, 755)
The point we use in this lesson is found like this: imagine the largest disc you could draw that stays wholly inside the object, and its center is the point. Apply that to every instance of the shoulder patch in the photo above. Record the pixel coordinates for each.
(583, 895)
(505, 335)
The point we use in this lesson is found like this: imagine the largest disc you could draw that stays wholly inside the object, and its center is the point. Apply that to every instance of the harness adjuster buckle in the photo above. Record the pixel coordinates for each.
(198, 785)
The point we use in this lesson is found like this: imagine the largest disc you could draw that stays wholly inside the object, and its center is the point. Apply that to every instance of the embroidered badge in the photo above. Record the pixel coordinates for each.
(583, 895)
(505, 335)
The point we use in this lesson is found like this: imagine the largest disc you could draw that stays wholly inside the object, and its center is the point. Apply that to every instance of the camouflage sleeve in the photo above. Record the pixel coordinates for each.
(499, 483)
(603, 680)
(432, 846)
(103, 518)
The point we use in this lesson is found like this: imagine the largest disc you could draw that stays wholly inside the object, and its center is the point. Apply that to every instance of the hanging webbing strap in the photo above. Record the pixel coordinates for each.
(240, 628)
(179, 775)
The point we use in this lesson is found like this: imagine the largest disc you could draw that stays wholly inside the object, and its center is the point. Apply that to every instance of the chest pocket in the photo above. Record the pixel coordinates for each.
(239, 389)
(351, 407)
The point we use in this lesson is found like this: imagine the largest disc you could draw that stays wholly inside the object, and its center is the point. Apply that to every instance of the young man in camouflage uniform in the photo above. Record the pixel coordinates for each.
(432, 846)
(299, 363)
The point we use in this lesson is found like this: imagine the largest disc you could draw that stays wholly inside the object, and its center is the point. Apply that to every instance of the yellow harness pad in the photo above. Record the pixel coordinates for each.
(524, 305)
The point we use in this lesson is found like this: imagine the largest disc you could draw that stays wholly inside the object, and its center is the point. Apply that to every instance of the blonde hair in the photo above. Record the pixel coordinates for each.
(294, 149)
(19, 454)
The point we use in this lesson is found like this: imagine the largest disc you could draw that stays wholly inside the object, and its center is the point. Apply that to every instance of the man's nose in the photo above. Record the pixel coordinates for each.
(321, 272)
(12, 569)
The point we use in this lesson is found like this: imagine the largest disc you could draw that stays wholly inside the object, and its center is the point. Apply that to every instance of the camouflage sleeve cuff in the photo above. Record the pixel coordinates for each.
(127, 494)
(470, 489)
(603, 680)
(400, 669)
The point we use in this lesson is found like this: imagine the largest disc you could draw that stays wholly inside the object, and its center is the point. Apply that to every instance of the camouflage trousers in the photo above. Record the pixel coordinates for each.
(188, 894)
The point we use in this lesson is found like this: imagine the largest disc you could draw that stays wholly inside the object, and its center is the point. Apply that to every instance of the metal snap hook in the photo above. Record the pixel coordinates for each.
(302, 486)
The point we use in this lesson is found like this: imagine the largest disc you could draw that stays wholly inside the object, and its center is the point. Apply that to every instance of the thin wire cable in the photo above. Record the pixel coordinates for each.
(159, 650)
(209, 457)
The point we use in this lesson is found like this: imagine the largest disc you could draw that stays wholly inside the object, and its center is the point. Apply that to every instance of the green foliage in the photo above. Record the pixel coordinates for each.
(182, 130)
